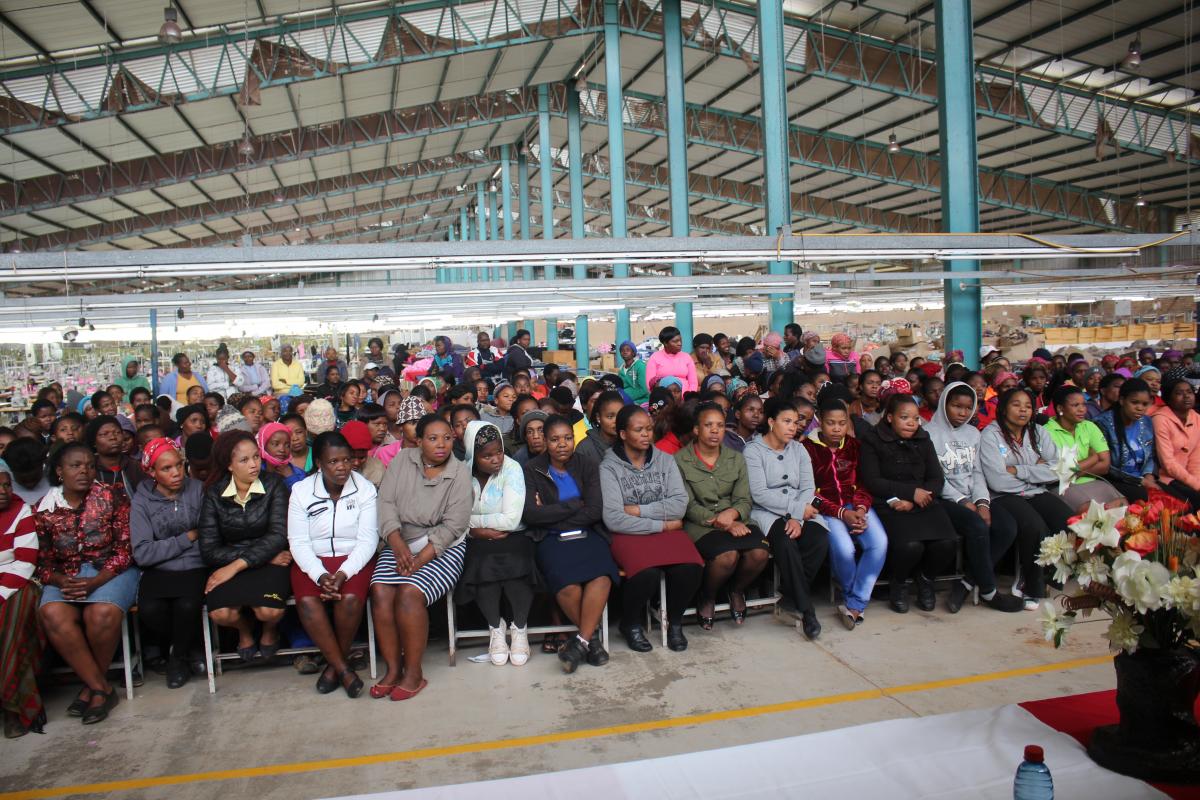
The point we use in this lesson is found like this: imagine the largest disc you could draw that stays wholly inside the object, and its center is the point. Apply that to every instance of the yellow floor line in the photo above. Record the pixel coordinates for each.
(543, 739)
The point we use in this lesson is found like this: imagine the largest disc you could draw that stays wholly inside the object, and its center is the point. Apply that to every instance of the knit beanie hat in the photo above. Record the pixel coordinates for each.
(319, 417)
(230, 419)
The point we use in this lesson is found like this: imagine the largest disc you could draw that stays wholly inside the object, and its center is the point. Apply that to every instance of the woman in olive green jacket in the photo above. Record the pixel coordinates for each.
(718, 516)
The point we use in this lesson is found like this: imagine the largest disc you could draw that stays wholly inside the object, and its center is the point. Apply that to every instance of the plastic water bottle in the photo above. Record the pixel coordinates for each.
(1033, 781)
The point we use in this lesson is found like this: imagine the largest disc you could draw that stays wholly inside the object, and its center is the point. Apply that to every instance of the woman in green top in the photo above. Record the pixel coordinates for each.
(633, 373)
(718, 516)
(1081, 443)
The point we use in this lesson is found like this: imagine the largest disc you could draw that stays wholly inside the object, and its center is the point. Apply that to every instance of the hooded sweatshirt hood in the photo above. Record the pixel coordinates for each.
(957, 449)
(473, 429)
(127, 383)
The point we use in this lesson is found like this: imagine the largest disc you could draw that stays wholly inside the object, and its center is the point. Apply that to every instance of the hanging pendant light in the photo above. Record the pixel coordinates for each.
(893, 144)
(246, 147)
(1139, 201)
(1133, 58)
(170, 32)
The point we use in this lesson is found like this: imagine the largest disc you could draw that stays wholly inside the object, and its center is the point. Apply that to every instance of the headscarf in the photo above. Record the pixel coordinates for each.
(931, 369)
(83, 404)
(772, 339)
(485, 436)
(894, 386)
(839, 340)
(1109, 361)
(732, 387)
(434, 382)
(710, 380)
(1123, 371)
(1043, 354)
(183, 412)
(636, 356)
(319, 417)
(411, 410)
(357, 434)
(669, 381)
(1001, 377)
(1076, 357)
(809, 339)
(1146, 350)
(955, 357)
(1176, 373)
(264, 435)
(155, 449)
(448, 359)
(1145, 369)
(5, 469)
(1173, 353)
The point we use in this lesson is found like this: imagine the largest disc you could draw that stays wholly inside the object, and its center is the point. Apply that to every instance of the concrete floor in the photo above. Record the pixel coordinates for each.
(273, 716)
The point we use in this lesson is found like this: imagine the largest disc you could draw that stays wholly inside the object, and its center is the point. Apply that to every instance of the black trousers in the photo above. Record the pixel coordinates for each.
(983, 545)
(1037, 516)
(683, 580)
(929, 558)
(173, 621)
(798, 560)
(1183, 492)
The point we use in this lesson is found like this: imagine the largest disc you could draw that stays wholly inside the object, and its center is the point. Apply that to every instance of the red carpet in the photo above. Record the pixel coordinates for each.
(1077, 715)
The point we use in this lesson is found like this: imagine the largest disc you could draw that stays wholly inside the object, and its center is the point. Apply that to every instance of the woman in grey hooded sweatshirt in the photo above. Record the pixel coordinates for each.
(987, 532)
(1019, 459)
(644, 503)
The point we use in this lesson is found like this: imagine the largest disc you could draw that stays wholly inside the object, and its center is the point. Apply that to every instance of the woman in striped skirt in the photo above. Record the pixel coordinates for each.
(424, 511)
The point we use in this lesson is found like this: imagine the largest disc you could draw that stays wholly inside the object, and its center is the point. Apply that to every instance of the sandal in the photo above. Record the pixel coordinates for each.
(80, 703)
(99, 713)
(552, 642)
(400, 693)
(382, 690)
(738, 616)
(706, 623)
(355, 687)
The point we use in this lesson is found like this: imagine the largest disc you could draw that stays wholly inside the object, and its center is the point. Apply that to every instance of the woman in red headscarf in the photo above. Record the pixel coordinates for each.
(275, 446)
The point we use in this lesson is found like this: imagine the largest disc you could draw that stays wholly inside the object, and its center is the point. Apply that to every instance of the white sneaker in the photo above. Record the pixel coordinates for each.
(498, 647)
(519, 651)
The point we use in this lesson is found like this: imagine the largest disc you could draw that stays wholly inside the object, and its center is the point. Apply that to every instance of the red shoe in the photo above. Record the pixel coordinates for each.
(382, 690)
(400, 693)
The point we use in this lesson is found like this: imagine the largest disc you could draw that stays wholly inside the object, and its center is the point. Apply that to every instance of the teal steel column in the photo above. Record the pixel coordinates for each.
(545, 160)
(960, 169)
(616, 143)
(493, 273)
(506, 210)
(677, 151)
(776, 173)
(523, 205)
(462, 275)
(444, 274)
(575, 176)
(152, 364)
(481, 273)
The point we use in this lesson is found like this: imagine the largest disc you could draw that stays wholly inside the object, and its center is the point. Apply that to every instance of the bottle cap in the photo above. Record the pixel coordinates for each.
(1034, 753)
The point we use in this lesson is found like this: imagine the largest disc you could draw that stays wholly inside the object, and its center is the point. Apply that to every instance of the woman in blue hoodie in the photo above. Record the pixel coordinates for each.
(987, 532)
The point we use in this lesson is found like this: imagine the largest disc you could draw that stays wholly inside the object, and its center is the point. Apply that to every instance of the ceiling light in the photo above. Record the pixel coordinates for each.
(91, 327)
(279, 196)
(15, 248)
(1139, 201)
(1133, 58)
(83, 322)
(179, 313)
(69, 336)
(893, 145)
(170, 32)
(246, 147)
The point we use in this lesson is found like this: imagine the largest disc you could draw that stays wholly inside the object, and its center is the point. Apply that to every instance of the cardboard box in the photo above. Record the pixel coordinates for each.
(564, 358)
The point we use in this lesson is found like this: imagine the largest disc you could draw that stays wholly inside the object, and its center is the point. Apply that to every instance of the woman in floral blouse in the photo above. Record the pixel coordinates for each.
(86, 565)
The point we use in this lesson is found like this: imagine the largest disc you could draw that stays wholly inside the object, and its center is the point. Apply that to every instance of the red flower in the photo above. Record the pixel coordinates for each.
(1142, 542)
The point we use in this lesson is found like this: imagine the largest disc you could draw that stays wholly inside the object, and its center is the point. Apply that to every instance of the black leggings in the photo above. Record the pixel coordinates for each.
(520, 597)
(682, 582)
(173, 621)
(1038, 516)
(933, 558)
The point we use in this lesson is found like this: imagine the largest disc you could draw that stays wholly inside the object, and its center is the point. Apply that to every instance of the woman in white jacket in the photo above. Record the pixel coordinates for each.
(332, 535)
(500, 557)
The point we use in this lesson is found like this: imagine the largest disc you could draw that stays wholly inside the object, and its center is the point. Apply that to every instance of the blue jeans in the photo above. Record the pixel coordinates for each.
(857, 578)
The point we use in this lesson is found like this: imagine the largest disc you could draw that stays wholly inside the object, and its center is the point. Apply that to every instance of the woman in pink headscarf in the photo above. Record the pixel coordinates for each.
(840, 359)
(275, 447)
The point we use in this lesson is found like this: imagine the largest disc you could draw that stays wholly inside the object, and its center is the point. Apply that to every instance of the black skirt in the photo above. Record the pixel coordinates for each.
(920, 525)
(716, 542)
(566, 562)
(268, 586)
(165, 584)
(493, 561)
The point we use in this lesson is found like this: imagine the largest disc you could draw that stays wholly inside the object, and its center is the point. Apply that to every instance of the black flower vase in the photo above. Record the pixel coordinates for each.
(1157, 738)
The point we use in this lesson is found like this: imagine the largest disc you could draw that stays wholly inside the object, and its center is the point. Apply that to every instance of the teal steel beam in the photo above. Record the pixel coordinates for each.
(775, 142)
(545, 158)
(494, 273)
(506, 197)
(480, 273)
(677, 139)
(523, 203)
(960, 170)
(463, 275)
(616, 144)
(578, 230)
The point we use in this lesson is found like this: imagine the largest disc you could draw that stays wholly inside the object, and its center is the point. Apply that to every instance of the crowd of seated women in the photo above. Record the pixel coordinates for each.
(487, 484)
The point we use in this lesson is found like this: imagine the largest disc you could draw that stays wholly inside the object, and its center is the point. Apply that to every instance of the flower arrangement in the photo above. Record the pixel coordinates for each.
(1136, 563)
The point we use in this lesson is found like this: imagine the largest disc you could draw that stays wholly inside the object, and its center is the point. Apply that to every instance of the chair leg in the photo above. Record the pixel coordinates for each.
(452, 632)
(604, 627)
(137, 645)
(371, 641)
(662, 608)
(206, 624)
(126, 657)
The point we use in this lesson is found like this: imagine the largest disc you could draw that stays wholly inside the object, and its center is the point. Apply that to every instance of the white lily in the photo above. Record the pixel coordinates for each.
(1054, 625)
(1098, 527)
(1123, 633)
(1065, 469)
(1092, 570)
(1140, 583)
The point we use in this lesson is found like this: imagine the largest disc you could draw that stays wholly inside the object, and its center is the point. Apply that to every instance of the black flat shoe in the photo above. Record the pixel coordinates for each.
(325, 684)
(597, 656)
(811, 625)
(355, 687)
(178, 674)
(926, 599)
(898, 597)
(268, 651)
(80, 704)
(247, 654)
(635, 637)
(572, 654)
(675, 639)
(99, 713)
(958, 595)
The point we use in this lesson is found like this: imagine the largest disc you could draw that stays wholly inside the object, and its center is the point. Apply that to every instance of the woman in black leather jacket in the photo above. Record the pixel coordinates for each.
(243, 533)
